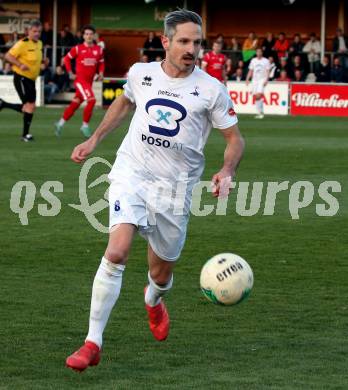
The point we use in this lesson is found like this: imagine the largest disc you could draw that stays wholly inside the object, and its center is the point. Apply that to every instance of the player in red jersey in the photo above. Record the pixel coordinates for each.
(214, 63)
(89, 60)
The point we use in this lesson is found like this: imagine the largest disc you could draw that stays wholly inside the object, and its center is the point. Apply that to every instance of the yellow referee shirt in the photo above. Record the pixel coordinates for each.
(27, 52)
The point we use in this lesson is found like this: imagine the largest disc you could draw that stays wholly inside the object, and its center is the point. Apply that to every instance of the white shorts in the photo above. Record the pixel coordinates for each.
(149, 205)
(258, 87)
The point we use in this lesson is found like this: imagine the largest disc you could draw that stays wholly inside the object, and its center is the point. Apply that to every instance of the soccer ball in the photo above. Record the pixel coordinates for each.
(226, 279)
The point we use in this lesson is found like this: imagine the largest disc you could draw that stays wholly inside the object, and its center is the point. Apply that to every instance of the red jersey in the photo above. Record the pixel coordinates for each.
(215, 64)
(89, 61)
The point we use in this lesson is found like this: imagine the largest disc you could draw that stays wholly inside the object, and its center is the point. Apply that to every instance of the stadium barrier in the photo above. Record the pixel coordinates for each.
(324, 99)
(8, 92)
(276, 98)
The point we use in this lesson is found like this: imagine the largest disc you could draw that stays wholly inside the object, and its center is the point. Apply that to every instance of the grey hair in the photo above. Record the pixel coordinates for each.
(179, 16)
(35, 23)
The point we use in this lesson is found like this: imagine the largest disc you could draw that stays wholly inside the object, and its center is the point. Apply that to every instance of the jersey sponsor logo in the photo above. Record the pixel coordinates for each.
(166, 113)
(168, 93)
(164, 143)
(231, 112)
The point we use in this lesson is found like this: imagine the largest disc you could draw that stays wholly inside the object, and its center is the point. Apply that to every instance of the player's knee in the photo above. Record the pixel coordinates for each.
(76, 100)
(29, 108)
(117, 255)
(91, 101)
(161, 276)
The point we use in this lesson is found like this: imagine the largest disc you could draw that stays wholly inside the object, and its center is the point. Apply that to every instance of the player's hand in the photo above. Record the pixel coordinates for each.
(82, 151)
(100, 77)
(220, 183)
(265, 83)
(247, 82)
(24, 67)
(72, 76)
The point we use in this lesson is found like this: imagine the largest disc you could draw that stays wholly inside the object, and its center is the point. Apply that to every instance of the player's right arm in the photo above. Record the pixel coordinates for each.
(249, 76)
(12, 56)
(67, 61)
(118, 110)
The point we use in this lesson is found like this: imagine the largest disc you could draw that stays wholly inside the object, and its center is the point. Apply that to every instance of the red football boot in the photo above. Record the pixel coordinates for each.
(87, 355)
(158, 320)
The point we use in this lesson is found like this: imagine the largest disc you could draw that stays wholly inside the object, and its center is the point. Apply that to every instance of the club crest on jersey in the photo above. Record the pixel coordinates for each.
(166, 115)
(147, 81)
(95, 52)
(195, 92)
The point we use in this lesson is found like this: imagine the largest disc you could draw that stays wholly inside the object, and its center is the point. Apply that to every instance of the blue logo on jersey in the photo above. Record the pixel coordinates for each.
(163, 116)
(117, 205)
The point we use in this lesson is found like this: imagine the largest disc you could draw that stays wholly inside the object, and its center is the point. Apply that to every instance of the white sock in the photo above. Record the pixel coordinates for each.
(84, 124)
(259, 106)
(105, 292)
(154, 292)
(61, 122)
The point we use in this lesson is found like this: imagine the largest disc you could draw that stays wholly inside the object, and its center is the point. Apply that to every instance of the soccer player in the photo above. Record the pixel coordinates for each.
(259, 69)
(176, 104)
(89, 59)
(25, 57)
(214, 63)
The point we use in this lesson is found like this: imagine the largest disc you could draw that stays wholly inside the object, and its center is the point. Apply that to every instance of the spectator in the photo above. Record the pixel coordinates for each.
(14, 38)
(61, 79)
(273, 71)
(340, 47)
(267, 45)
(296, 47)
(324, 74)
(312, 48)
(281, 46)
(238, 75)
(153, 47)
(337, 73)
(78, 38)
(297, 64)
(220, 39)
(229, 68)
(298, 76)
(283, 76)
(7, 70)
(241, 65)
(69, 35)
(144, 58)
(235, 54)
(249, 47)
(284, 65)
(47, 35)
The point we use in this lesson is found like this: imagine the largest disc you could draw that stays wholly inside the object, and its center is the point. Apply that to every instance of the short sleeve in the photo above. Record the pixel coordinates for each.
(206, 57)
(252, 65)
(223, 115)
(73, 52)
(128, 91)
(16, 50)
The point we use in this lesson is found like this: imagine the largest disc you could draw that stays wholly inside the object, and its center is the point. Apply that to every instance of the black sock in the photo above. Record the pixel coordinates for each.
(12, 106)
(27, 118)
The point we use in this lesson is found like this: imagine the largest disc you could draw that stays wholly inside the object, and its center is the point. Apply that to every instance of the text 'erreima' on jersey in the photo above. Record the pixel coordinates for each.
(260, 68)
(172, 120)
(89, 61)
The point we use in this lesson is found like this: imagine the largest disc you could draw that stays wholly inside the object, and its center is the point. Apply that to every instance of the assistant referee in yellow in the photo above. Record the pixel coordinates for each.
(25, 57)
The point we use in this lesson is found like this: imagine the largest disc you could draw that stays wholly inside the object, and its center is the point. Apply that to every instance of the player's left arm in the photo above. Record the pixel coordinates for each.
(101, 66)
(232, 156)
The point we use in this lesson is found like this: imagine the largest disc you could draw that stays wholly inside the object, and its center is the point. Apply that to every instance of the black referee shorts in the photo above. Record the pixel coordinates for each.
(25, 88)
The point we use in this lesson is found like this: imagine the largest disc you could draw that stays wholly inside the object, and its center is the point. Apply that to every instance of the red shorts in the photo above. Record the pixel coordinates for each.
(84, 90)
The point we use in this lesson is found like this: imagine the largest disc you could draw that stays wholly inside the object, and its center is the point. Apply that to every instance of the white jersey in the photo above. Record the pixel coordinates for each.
(260, 68)
(172, 122)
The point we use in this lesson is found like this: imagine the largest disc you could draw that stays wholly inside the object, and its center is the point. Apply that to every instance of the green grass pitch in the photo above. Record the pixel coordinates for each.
(291, 333)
